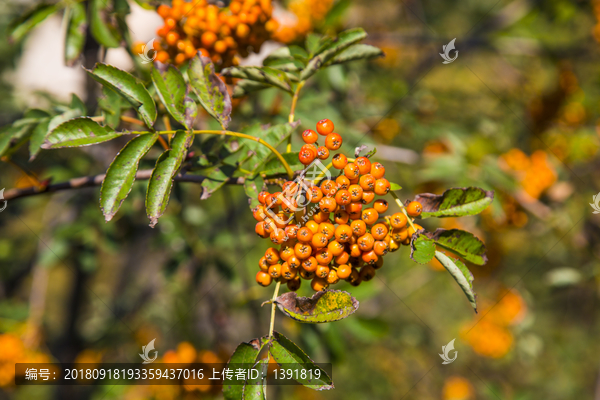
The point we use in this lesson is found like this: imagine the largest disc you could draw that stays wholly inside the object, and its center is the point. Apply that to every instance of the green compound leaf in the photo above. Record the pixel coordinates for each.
(455, 202)
(284, 351)
(461, 274)
(333, 48)
(323, 306)
(245, 353)
(18, 28)
(355, 52)
(422, 249)
(111, 104)
(274, 135)
(128, 87)
(274, 166)
(462, 243)
(253, 187)
(120, 176)
(78, 132)
(216, 178)
(173, 92)
(210, 89)
(75, 35)
(161, 180)
(105, 33)
(265, 75)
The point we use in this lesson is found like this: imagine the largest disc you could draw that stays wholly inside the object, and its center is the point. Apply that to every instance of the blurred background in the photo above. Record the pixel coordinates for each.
(517, 113)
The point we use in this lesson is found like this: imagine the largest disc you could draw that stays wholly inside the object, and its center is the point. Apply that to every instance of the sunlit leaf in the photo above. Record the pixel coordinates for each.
(266, 75)
(75, 34)
(245, 353)
(173, 92)
(355, 52)
(461, 274)
(323, 306)
(106, 34)
(462, 243)
(422, 249)
(455, 202)
(78, 132)
(210, 89)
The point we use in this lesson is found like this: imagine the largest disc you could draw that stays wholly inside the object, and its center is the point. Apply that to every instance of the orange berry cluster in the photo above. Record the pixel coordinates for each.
(344, 236)
(535, 173)
(219, 33)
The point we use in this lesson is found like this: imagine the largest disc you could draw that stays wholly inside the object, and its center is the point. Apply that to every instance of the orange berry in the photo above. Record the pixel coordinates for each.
(332, 277)
(306, 156)
(324, 127)
(242, 30)
(339, 161)
(306, 275)
(342, 197)
(272, 255)
(400, 235)
(260, 229)
(327, 229)
(291, 231)
(263, 278)
(398, 220)
(313, 226)
(208, 39)
(335, 247)
(179, 58)
(368, 196)
(367, 182)
(316, 194)
(319, 240)
(164, 11)
(333, 141)
(287, 272)
(321, 216)
(220, 46)
(172, 38)
(356, 192)
(344, 271)
(380, 206)
(355, 251)
(380, 248)
(382, 187)
(343, 233)
(377, 170)
(322, 153)
(275, 270)
(341, 217)
(263, 264)
(324, 256)
(318, 284)
(342, 182)
(379, 231)
(304, 235)
(310, 264)
(294, 262)
(342, 258)
(351, 171)
(364, 165)
(328, 204)
(162, 56)
(322, 271)
(309, 136)
(358, 227)
(370, 216)
(365, 242)
(302, 251)
(328, 187)
(414, 208)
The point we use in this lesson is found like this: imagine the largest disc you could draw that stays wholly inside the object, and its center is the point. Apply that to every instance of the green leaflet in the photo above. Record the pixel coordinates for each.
(274, 135)
(161, 180)
(461, 274)
(245, 86)
(78, 132)
(173, 92)
(462, 243)
(18, 28)
(37, 137)
(120, 176)
(357, 51)
(323, 306)
(210, 90)
(331, 49)
(422, 249)
(104, 33)
(245, 353)
(265, 75)
(284, 351)
(253, 187)
(455, 202)
(127, 86)
(75, 34)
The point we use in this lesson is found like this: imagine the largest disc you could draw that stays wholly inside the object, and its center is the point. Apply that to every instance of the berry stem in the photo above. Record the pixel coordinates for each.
(275, 294)
(403, 208)
(230, 133)
(292, 110)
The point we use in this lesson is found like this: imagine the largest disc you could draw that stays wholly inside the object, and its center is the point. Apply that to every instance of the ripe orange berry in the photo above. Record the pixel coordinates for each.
(398, 220)
(382, 186)
(262, 196)
(170, 23)
(379, 231)
(351, 171)
(342, 197)
(278, 236)
(354, 208)
(322, 271)
(304, 235)
(412, 231)
(302, 251)
(318, 284)
(333, 141)
(332, 277)
(342, 182)
(294, 262)
(179, 58)
(260, 229)
(322, 153)
(364, 165)
(380, 206)
(208, 39)
(367, 182)
(287, 272)
(343, 233)
(162, 56)
(172, 38)
(339, 161)
(365, 242)
(324, 127)
(414, 208)
(313, 226)
(275, 270)
(327, 204)
(342, 258)
(286, 252)
(368, 196)
(316, 194)
(370, 216)
(341, 217)
(263, 264)
(328, 187)
(294, 284)
(163, 11)
(324, 256)
(242, 30)
(220, 46)
(319, 240)
(258, 213)
(310, 264)
(399, 235)
(380, 248)
(377, 170)
(335, 247)
(272, 255)
(306, 156)
(358, 227)
(327, 229)
(291, 231)
(263, 278)
(321, 216)
(356, 192)
(344, 271)
(355, 251)
(309, 136)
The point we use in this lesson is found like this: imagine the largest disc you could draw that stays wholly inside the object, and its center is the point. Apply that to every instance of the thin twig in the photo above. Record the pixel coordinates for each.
(96, 180)
(292, 111)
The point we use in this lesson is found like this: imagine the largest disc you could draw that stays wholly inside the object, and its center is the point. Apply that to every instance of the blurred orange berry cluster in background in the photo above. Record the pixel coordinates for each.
(14, 350)
(221, 33)
(457, 388)
(535, 173)
(304, 15)
(491, 336)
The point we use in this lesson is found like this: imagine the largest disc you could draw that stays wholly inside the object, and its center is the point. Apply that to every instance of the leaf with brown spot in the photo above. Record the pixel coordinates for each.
(323, 306)
(455, 202)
